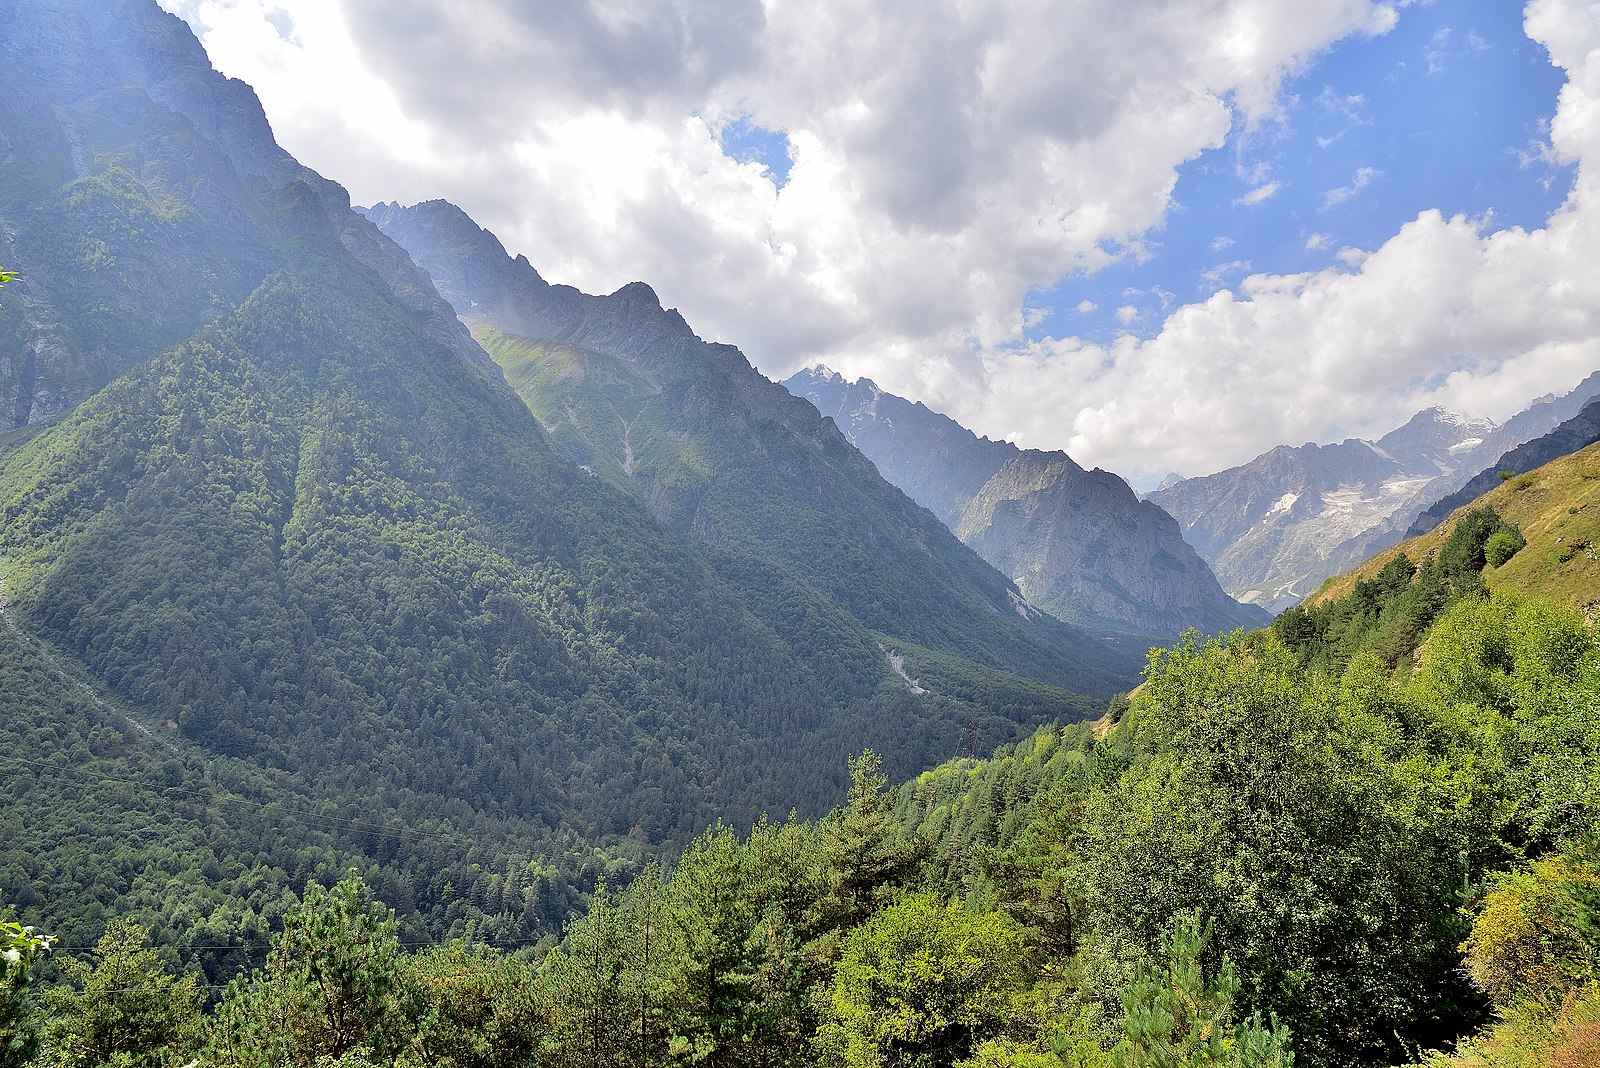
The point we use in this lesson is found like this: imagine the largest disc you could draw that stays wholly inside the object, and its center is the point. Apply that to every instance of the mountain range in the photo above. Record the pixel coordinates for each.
(340, 548)
(1554, 507)
(715, 450)
(1273, 529)
(1078, 542)
(1578, 432)
(279, 536)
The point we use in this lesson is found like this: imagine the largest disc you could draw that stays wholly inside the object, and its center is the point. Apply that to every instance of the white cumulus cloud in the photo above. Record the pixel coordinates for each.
(1363, 177)
(1445, 312)
(1260, 194)
(949, 158)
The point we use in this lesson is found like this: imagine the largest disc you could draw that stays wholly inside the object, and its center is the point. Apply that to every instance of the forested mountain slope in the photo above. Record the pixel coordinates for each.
(1268, 859)
(714, 449)
(305, 565)
(1078, 543)
(142, 195)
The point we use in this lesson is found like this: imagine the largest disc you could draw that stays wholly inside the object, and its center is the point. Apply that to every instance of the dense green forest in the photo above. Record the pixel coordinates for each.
(280, 550)
(1267, 855)
(301, 567)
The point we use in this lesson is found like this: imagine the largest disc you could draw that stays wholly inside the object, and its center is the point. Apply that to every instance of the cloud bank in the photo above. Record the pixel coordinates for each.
(1445, 312)
(948, 159)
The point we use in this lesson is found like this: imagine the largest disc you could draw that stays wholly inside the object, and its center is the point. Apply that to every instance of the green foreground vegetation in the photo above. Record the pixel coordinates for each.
(1282, 849)
(302, 569)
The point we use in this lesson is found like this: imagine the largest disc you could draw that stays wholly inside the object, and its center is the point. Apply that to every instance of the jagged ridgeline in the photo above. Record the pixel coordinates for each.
(781, 499)
(295, 581)
(1278, 526)
(1078, 542)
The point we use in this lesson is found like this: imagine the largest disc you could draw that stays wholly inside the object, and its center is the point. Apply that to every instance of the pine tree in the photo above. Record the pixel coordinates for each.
(125, 1008)
(1178, 1018)
(329, 987)
(589, 978)
(865, 849)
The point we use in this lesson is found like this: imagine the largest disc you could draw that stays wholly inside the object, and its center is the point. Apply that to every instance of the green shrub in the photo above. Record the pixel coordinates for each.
(1535, 932)
(1502, 546)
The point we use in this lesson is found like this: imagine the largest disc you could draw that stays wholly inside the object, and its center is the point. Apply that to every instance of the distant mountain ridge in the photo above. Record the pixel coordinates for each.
(1273, 529)
(1579, 432)
(715, 450)
(1079, 543)
(1556, 507)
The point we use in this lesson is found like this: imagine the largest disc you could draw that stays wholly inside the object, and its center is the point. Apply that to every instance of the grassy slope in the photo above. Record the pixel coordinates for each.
(1557, 508)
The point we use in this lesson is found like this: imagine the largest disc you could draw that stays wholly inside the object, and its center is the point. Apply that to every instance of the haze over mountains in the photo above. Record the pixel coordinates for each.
(1079, 543)
(1275, 528)
(287, 521)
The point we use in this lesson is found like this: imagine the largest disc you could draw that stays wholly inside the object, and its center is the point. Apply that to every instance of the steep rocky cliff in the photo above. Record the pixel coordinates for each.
(1079, 543)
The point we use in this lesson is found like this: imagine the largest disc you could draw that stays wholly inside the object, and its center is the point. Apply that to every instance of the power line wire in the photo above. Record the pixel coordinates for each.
(205, 791)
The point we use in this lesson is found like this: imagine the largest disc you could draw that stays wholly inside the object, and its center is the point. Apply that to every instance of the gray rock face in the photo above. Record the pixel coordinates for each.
(1276, 527)
(717, 451)
(1579, 432)
(1078, 543)
(485, 285)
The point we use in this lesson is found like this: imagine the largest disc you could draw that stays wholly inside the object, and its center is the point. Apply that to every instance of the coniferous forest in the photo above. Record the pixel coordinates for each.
(378, 693)
(1282, 848)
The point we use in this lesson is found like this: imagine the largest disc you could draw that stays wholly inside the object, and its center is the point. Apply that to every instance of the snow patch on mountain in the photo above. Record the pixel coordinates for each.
(1274, 528)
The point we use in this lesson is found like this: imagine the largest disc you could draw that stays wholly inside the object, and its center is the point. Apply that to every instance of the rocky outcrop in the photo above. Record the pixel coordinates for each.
(1078, 543)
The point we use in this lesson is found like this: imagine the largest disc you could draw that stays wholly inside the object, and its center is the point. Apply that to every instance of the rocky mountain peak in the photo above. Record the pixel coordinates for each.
(1275, 527)
(1079, 543)
(639, 293)
(476, 274)
(1431, 441)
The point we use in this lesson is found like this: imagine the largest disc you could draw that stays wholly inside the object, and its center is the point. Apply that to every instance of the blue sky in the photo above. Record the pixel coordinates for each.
(1445, 111)
(1316, 203)
(745, 142)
